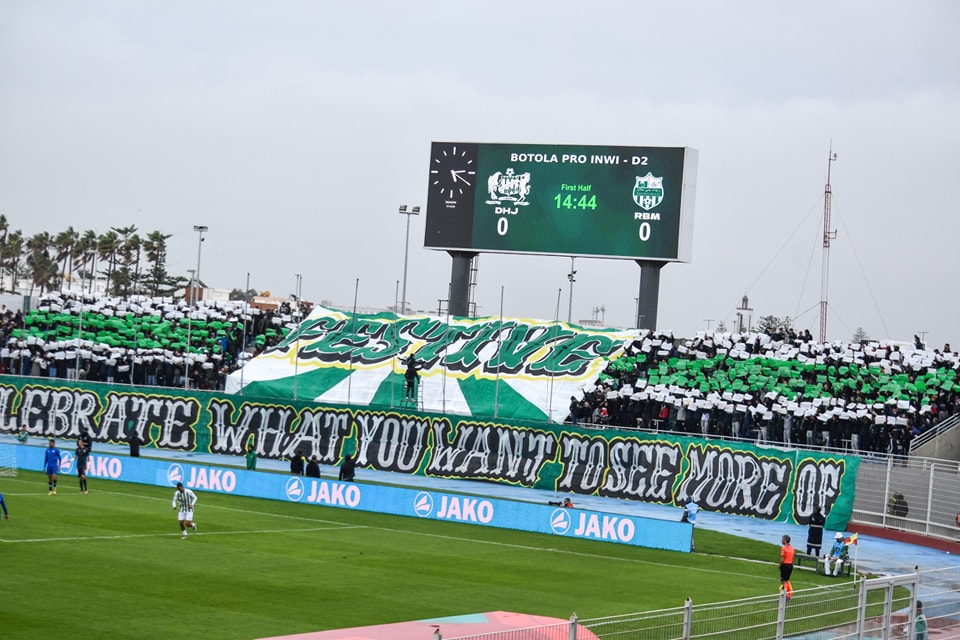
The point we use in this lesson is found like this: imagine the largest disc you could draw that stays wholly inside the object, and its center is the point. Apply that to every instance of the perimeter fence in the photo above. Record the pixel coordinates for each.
(883, 607)
(918, 495)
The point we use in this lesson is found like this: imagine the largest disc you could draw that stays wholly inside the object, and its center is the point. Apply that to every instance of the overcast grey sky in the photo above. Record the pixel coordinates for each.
(295, 129)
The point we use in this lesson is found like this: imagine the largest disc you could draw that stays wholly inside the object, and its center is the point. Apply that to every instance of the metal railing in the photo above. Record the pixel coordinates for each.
(916, 495)
(932, 434)
(882, 607)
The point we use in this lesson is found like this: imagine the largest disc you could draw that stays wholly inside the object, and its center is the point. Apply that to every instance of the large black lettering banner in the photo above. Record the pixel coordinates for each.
(737, 478)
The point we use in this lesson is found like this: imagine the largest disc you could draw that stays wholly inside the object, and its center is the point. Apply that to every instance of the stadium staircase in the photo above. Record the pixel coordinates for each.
(942, 441)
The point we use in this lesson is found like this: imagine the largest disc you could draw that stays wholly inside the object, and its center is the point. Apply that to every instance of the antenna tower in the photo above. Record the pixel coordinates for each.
(828, 235)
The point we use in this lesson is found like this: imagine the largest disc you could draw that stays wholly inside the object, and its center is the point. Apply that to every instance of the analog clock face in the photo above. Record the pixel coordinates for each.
(452, 171)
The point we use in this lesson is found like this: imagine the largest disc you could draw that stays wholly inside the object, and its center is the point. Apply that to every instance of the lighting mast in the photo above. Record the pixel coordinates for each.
(828, 235)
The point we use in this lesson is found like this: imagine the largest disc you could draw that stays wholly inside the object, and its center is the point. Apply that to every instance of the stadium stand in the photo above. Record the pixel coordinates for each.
(781, 388)
(775, 388)
(136, 340)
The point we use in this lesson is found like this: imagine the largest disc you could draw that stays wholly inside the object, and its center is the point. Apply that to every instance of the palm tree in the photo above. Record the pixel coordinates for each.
(43, 268)
(87, 246)
(107, 246)
(11, 257)
(77, 259)
(4, 230)
(83, 250)
(64, 244)
(134, 247)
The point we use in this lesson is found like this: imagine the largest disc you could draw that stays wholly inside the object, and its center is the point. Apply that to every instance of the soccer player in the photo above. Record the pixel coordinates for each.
(786, 566)
(6, 514)
(183, 501)
(51, 466)
(83, 452)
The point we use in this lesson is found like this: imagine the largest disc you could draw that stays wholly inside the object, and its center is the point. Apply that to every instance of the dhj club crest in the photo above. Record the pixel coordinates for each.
(510, 186)
(648, 191)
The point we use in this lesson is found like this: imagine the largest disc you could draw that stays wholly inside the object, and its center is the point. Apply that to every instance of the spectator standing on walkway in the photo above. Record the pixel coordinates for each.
(815, 532)
(296, 463)
(348, 468)
(251, 457)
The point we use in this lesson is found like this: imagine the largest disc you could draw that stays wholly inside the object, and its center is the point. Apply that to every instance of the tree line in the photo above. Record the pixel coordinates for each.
(124, 260)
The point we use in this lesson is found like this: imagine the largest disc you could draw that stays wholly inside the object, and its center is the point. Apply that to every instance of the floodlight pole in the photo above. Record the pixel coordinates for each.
(415, 211)
(296, 321)
(572, 278)
(246, 312)
(200, 229)
(76, 365)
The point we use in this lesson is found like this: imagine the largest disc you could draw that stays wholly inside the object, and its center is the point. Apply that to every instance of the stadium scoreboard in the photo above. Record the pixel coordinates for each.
(602, 201)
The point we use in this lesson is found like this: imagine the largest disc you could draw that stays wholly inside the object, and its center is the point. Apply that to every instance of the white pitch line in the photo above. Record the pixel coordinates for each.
(205, 505)
(168, 535)
(577, 553)
(431, 535)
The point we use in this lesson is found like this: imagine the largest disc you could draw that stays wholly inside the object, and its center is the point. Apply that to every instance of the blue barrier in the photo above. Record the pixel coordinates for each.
(489, 512)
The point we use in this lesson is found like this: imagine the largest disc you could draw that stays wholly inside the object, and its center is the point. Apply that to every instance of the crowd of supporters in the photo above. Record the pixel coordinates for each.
(776, 388)
(780, 388)
(137, 340)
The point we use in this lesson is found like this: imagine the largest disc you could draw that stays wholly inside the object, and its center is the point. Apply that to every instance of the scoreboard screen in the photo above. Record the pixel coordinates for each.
(618, 202)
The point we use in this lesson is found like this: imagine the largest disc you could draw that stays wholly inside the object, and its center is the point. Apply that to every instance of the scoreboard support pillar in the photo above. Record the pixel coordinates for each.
(459, 303)
(649, 295)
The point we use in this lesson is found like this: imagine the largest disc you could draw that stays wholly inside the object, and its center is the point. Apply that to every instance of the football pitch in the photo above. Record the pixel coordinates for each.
(112, 564)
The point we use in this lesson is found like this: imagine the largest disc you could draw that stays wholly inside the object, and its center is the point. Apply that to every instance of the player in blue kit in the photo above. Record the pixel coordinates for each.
(51, 466)
(6, 514)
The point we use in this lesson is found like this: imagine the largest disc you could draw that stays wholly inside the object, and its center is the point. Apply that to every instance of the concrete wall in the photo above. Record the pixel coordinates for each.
(946, 446)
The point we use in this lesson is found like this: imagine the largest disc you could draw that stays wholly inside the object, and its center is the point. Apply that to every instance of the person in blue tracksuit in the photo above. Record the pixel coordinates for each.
(51, 466)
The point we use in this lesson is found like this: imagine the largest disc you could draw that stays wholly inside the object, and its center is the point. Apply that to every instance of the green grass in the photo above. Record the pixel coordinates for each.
(111, 564)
